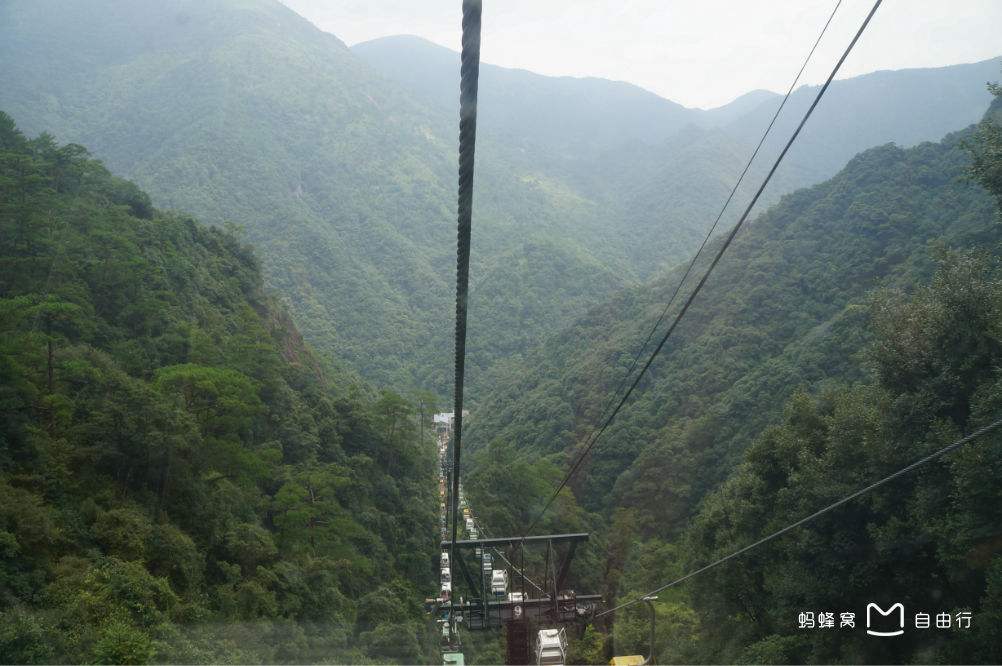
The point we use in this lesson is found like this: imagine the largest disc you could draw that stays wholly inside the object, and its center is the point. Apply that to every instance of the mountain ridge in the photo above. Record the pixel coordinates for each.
(345, 180)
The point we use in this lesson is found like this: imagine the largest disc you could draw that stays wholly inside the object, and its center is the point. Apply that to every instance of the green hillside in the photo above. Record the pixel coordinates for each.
(781, 311)
(218, 365)
(928, 540)
(853, 328)
(343, 178)
(244, 111)
(660, 171)
(181, 480)
(561, 120)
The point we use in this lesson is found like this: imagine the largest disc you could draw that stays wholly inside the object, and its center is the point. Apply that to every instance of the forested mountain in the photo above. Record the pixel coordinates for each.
(661, 171)
(186, 478)
(181, 480)
(577, 121)
(241, 110)
(852, 329)
(560, 119)
(344, 179)
(782, 310)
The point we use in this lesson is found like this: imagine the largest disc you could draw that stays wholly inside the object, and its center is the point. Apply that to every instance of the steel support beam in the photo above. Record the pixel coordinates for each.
(568, 608)
(517, 641)
(498, 542)
(466, 574)
(565, 566)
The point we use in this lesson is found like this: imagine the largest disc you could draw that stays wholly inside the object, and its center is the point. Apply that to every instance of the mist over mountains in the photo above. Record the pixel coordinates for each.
(338, 163)
(227, 251)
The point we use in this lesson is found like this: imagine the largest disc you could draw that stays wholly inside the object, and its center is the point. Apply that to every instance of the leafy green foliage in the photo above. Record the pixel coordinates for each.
(811, 366)
(179, 480)
(927, 540)
(986, 151)
(786, 309)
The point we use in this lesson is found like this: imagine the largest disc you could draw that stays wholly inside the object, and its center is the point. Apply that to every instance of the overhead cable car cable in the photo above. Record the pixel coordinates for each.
(716, 222)
(720, 215)
(817, 514)
(713, 264)
(469, 78)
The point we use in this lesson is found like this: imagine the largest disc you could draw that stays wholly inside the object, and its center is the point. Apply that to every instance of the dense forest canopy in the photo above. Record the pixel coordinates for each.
(180, 479)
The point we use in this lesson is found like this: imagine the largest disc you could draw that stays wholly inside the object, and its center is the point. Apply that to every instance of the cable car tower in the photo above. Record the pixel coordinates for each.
(499, 607)
(492, 608)
(501, 598)
(492, 604)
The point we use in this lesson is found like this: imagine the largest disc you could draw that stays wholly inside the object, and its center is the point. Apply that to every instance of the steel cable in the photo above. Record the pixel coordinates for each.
(713, 264)
(730, 196)
(904, 470)
(469, 79)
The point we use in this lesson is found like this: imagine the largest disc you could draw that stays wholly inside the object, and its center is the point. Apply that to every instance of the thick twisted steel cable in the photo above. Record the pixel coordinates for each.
(904, 470)
(469, 78)
(713, 264)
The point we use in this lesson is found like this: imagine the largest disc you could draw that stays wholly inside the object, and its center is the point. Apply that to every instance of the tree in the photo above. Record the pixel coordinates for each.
(181, 479)
(986, 148)
(589, 649)
(393, 410)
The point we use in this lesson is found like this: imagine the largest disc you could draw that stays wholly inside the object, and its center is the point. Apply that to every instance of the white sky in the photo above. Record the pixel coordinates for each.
(696, 52)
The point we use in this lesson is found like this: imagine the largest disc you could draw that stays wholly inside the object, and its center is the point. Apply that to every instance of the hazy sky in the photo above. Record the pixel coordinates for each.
(696, 52)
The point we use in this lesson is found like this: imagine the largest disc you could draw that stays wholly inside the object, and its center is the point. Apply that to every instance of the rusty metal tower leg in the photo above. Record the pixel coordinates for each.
(517, 641)
(521, 549)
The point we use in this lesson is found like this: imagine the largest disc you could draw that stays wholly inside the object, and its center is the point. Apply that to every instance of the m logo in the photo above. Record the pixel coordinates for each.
(888, 620)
